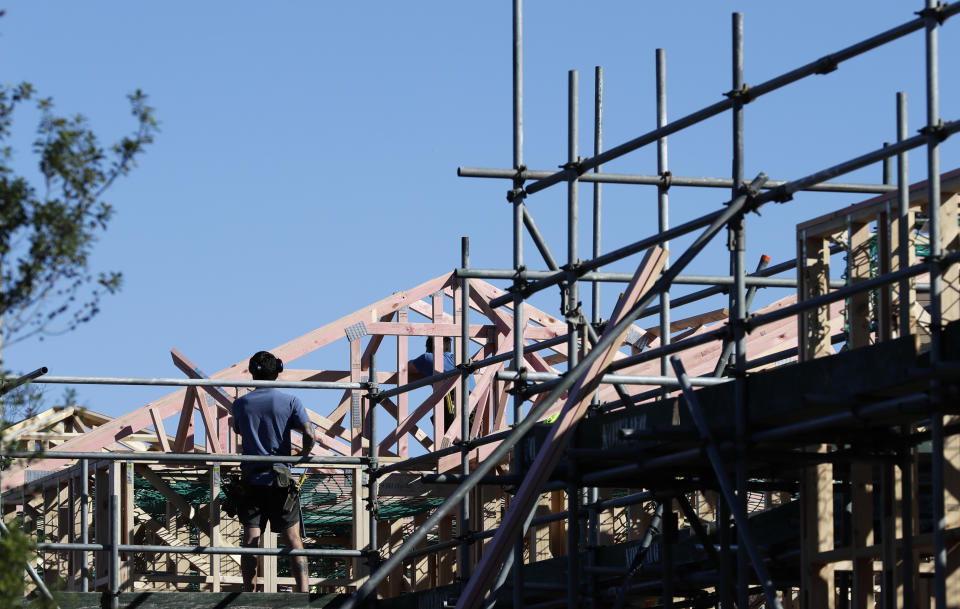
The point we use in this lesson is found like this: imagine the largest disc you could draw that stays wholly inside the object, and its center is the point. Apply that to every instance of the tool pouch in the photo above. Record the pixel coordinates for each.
(284, 479)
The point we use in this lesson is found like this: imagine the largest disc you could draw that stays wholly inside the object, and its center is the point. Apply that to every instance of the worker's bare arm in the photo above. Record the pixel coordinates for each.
(309, 437)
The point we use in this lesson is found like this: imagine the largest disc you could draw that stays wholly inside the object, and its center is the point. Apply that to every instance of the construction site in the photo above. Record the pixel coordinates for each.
(660, 452)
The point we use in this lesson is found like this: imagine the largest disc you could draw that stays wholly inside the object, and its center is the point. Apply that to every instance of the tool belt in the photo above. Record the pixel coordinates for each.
(237, 491)
(282, 478)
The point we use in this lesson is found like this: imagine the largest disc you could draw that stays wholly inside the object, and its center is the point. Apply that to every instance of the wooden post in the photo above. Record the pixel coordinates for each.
(446, 559)
(858, 269)
(439, 409)
(950, 241)
(813, 276)
(73, 535)
(402, 379)
(489, 511)
(269, 541)
(420, 567)
(558, 530)
(215, 538)
(886, 315)
(49, 516)
(126, 524)
(862, 488)
(816, 536)
(361, 524)
(390, 532)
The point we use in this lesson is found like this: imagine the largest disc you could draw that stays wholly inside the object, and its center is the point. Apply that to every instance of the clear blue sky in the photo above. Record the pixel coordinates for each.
(307, 160)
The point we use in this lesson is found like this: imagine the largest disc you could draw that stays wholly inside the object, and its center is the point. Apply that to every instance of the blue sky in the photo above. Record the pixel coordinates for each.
(307, 160)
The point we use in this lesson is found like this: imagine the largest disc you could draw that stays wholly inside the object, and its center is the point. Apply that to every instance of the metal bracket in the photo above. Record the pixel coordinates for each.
(666, 181)
(937, 131)
(743, 94)
(573, 167)
(356, 416)
(936, 12)
(357, 330)
(516, 194)
(826, 64)
(634, 338)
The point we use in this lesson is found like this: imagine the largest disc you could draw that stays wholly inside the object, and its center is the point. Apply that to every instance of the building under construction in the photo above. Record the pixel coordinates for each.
(658, 453)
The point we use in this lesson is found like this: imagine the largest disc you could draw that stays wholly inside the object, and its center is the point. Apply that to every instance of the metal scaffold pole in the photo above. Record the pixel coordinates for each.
(572, 294)
(737, 245)
(518, 317)
(930, 16)
(464, 524)
(593, 493)
(663, 200)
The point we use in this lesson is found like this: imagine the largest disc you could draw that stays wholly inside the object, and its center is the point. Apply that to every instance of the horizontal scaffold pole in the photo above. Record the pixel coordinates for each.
(823, 65)
(652, 180)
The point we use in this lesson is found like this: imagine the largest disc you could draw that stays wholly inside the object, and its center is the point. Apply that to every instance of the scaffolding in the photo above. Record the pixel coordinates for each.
(732, 458)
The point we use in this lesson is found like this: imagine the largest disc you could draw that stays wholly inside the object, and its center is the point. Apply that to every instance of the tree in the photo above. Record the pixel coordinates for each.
(48, 231)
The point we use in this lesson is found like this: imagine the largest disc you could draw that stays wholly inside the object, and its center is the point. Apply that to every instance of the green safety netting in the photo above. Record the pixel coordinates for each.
(921, 249)
(325, 498)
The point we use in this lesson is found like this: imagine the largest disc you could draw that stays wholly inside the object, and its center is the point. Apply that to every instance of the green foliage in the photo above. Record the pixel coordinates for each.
(47, 231)
(16, 547)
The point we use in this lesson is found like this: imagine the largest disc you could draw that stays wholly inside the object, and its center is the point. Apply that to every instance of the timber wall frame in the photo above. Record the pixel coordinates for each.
(469, 451)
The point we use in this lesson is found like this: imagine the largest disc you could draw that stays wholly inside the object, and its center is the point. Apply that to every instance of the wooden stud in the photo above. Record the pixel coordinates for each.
(446, 559)
(862, 490)
(402, 376)
(813, 275)
(859, 316)
(268, 540)
(816, 536)
(361, 526)
(420, 566)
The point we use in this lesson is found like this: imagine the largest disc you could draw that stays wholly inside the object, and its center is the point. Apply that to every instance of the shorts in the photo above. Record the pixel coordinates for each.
(263, 503)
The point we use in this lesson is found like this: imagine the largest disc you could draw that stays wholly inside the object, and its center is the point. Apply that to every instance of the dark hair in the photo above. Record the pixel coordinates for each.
(264, 366)
(447, 344)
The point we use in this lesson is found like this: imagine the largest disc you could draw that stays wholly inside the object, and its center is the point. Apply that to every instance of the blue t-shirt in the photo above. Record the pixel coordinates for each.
(264, 418)
(424, 365)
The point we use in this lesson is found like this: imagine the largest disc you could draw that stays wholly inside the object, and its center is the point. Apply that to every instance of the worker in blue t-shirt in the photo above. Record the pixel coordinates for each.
(422, 367)
(264, 419)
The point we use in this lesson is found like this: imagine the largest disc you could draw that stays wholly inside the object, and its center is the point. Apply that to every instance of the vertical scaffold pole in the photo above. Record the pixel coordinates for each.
(597, 186)
(904, 256)
(737, 236)
(463, 526)
(593, 494)
(573, 111)
(114, 576)
(663, 199)
(518, 267)
(573, 321)
(373, 486)
(903, 215)
(933, 211)
(84, 524)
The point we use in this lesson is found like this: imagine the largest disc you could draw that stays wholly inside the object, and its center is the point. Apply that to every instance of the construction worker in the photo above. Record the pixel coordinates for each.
(264, 419)
(422, 367)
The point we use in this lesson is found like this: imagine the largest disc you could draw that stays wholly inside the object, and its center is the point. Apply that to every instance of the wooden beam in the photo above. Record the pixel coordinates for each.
(210, 426)
(185, 427)
(173, 497)
(559, 436)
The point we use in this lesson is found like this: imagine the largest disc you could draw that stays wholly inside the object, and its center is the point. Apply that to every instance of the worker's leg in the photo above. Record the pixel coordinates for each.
(298, 564)
(248, 562)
